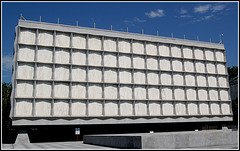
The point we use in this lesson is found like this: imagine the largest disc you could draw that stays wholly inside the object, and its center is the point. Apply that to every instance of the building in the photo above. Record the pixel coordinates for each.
(69, 75)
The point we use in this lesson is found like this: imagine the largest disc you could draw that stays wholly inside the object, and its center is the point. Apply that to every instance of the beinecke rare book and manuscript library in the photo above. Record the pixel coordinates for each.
(66, 75)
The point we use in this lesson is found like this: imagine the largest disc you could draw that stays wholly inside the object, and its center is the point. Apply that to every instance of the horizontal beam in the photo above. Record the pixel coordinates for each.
(124, 35)
(18, 121)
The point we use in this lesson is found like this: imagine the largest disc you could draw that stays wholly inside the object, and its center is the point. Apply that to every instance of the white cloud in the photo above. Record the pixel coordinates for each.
(208, 7)
(202, 19)
(136, 19)
(129, 22)
(202, 9)
(157, 13)
(216, 8)
(183, 11)
(185, 16)
(207, 17)
(7, 63)
(206, 12)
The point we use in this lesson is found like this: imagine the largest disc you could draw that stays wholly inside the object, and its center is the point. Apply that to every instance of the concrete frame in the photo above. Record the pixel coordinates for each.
(72, 120)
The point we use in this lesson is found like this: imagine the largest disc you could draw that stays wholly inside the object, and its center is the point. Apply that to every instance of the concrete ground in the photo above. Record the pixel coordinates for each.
(224, 147)
(54, 146)
(80, 146)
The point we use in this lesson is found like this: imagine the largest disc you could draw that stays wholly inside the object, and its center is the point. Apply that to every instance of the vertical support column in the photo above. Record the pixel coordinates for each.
(174, 100)
(16, 59)
(198, 102)
(103, 106)
(14, 106)
(70, 101)
(171, 68)
(145, 63)
(118, 98)
(172, 83)
(205, 65)
(161, 108)
(133, 98)
(147, 97)
(117, 48)
(184, 80)
(160, 85)
(218, 85)
(87, 101)
(119, 109)
(215, 58)
(158, 54)
(14, 76)
(133, 85)
(220, 103)
(52, 107)
(146, 77)
(209, 101)
(35, 74)
(53, 73)
(194, 65)
(173, 87)
(118, 76)
(131, 51)
(159, 79)
(207, 83)
(70, 76)
(53, 83)
(17, 53)
(103, 96)
(87, 69)
(196, 84)
(102, 41)
(174, 108)
(103, 84)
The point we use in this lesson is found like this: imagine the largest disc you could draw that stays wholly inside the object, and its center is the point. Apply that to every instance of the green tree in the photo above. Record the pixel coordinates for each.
(235, 111)
(8, 132)
(6, 94)
(232, 72)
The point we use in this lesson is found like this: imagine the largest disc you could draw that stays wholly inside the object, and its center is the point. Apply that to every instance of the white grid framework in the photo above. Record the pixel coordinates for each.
(66, 73)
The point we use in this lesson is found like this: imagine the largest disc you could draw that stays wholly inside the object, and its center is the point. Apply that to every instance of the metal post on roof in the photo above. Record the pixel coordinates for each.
(210, 40)
(58, 20)
(221, 35)
(40, 18)
(142, 31)
(77, 22)
(127, 29)
(172, 35)
(21, 16)
(94, 25)
(184, 36)
(111, 27)
(157, 33)
(197, 38)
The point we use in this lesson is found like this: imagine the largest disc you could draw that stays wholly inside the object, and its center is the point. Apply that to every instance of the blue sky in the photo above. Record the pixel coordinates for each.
(193, 19)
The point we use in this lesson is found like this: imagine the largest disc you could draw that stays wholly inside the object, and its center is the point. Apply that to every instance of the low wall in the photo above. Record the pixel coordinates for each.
(166, 140)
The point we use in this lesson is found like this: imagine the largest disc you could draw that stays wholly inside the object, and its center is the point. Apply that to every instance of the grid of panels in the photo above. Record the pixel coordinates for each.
(69, 74)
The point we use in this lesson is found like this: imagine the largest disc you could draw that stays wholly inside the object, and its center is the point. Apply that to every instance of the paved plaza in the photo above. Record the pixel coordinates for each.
(80, 146)
(55, 146)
